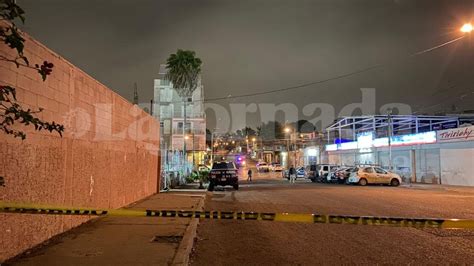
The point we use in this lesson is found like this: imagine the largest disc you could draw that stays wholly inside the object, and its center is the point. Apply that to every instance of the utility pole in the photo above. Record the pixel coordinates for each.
(194, 163)
(135, 94)
(294, 148)
(288, 135)
(212, 146)
(247, 141)
(151, 107)
(390, 138)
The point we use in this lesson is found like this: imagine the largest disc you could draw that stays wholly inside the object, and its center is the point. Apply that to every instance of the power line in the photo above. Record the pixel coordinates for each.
(349, 74)
(457, 98)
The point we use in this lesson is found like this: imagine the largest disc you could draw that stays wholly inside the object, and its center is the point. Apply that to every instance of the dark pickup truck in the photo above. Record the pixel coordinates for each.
(223, 174)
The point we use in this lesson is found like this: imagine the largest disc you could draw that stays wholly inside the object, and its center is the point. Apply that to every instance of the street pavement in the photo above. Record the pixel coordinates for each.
(157, 241)
(232, 242)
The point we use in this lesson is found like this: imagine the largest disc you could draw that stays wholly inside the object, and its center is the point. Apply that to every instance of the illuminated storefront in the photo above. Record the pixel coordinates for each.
(427, 156)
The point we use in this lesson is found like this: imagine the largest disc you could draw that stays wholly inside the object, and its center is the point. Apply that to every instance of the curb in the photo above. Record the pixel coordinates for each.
(185, 247)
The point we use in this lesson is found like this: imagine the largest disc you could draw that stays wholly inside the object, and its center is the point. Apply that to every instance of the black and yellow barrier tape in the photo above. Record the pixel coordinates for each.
(259, 216)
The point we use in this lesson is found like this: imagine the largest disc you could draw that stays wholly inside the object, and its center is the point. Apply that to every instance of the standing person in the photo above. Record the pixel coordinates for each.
(249, 173)
(292, 173)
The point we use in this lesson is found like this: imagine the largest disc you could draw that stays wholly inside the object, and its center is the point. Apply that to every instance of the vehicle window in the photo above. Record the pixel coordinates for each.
(222, 165)
(312, 167)
(368, 170)
(325, 168)
(380, 171)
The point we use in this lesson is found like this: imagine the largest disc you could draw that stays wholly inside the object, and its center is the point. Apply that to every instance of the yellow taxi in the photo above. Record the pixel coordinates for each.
(374, 175)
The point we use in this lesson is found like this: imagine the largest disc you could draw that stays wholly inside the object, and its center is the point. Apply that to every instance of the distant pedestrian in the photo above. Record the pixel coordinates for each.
(292, 173)
(249, 173)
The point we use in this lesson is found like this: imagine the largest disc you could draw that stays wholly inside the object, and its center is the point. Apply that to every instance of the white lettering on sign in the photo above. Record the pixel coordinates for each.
(456, 134)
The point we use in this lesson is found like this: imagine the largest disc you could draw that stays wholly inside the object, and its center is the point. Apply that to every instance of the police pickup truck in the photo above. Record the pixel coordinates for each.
(223, 174)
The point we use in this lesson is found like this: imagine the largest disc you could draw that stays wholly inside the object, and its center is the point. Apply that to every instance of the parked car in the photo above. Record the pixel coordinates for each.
(311, 172)
(263, 167)
(276, 167)
(374, 175)
(321, 172)
(300, 173)
(340, 175)
(223, 174)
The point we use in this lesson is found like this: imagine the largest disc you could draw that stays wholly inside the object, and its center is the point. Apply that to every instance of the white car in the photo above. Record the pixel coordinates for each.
(263, 167)
(374, 175)
(276, 167)
(325, 169)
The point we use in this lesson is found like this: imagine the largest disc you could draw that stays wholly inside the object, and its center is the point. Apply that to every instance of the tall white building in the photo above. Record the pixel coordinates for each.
(168, 107)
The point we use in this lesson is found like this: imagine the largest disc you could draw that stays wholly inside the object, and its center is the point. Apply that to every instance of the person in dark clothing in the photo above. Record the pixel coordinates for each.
(292, 173)
(249, 173)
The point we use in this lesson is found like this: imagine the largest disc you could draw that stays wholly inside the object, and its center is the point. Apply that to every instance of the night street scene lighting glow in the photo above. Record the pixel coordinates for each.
(225, 132)
(466, 28)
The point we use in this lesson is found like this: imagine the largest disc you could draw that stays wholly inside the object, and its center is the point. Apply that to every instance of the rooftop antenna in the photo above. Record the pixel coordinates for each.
(135, 94)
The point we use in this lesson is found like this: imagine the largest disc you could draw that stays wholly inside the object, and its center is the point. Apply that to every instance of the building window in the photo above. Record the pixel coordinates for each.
(162, 124)
(164, 82)
(190, 99)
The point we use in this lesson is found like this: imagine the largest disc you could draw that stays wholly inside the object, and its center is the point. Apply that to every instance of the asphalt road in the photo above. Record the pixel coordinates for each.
(228, 242)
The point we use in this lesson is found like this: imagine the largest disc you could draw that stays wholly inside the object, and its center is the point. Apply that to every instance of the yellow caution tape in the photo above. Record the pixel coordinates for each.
(232, 215)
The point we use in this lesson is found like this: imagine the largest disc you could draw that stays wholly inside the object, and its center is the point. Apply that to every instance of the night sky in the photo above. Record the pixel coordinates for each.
(260, 45)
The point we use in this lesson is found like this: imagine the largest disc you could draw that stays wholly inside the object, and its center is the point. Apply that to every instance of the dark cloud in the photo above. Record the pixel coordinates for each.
(259, 45)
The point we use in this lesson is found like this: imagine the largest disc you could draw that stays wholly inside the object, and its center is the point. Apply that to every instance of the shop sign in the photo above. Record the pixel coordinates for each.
(456, 134)
(331, 147)
(413, 139)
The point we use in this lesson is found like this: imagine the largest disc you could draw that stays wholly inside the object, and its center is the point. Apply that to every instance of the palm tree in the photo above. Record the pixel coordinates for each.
(184, 70)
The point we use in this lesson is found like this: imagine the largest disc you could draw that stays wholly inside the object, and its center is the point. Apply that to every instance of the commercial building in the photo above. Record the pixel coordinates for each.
(168, 108)
(425, 149)
(298, 149)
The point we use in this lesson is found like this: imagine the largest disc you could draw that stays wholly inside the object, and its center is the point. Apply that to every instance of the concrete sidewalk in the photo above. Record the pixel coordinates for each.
(438, 187)
(125, 240)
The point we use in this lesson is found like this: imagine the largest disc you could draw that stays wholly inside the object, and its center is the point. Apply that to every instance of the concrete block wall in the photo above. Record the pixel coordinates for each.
(107, 157)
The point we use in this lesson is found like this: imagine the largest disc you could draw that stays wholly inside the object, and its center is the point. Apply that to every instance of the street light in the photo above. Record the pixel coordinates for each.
(213, 144)
(287, 131)
(467, 28)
